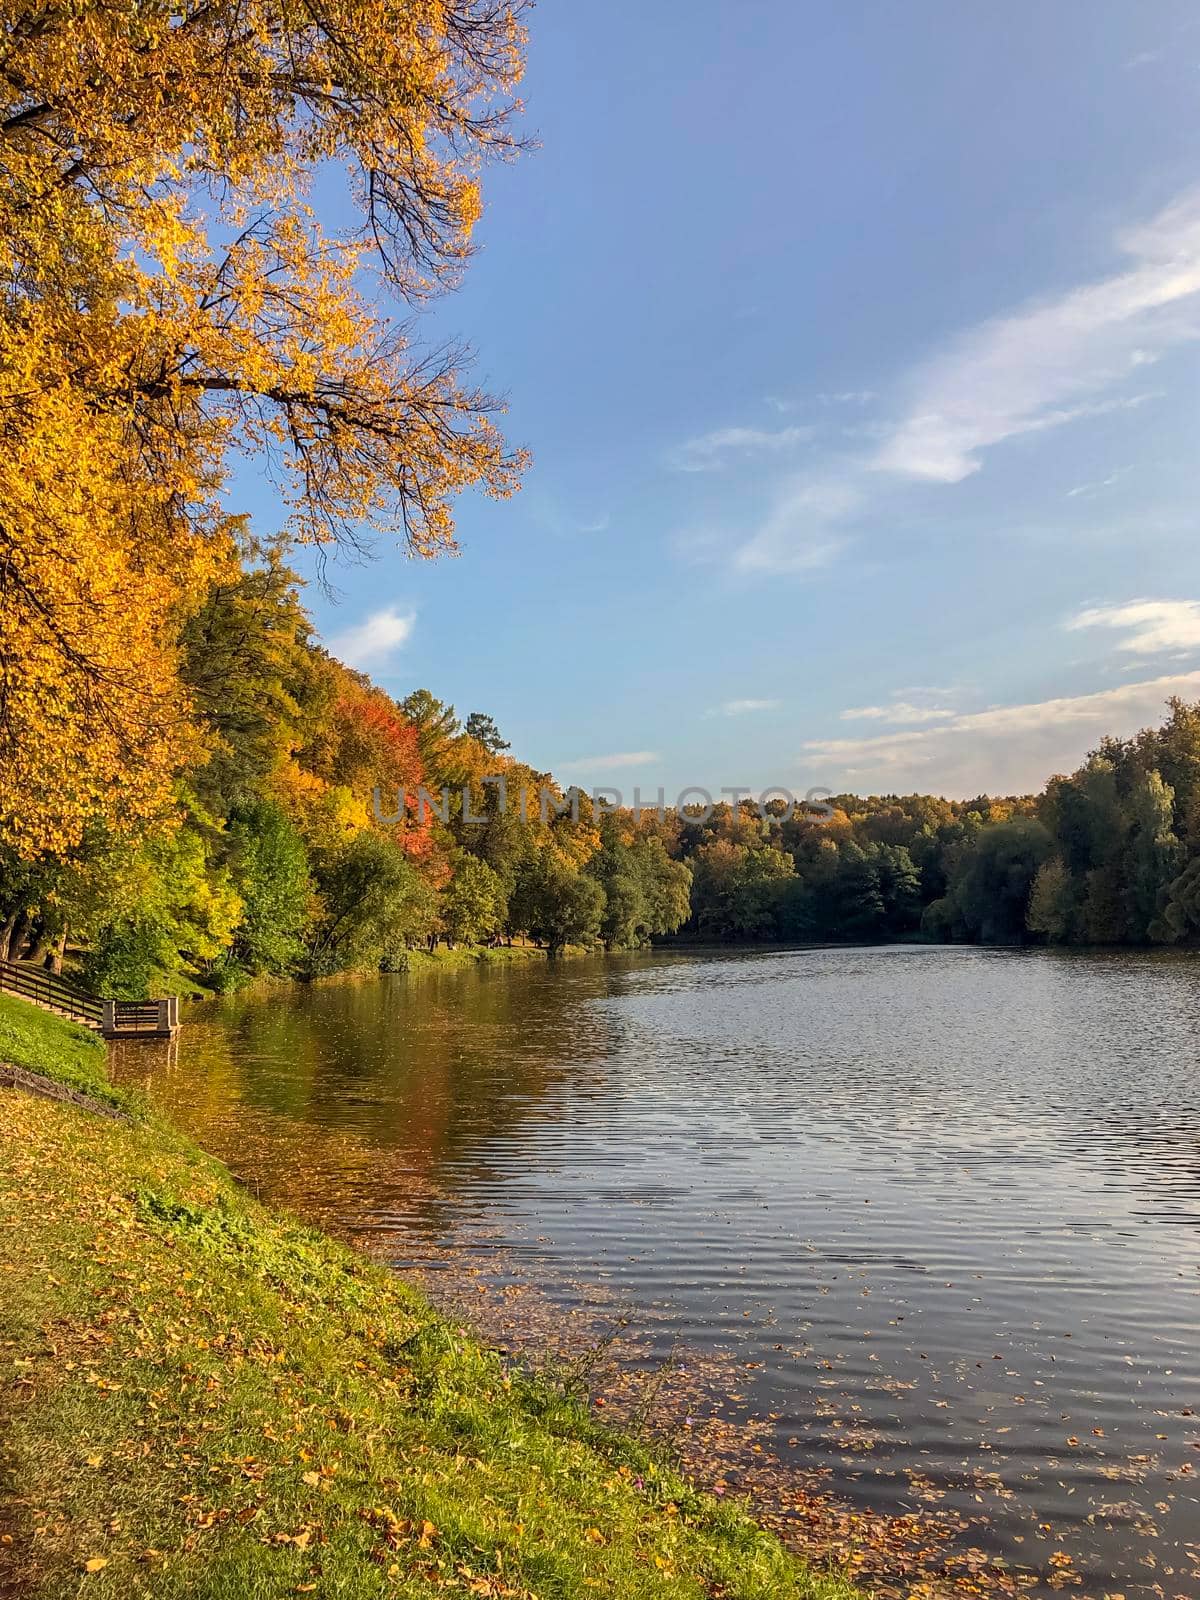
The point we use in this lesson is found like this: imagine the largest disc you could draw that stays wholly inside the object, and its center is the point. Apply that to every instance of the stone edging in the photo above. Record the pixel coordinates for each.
(12, 1077)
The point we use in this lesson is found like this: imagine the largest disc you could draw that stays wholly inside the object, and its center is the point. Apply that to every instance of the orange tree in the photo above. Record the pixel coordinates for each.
(169, 297)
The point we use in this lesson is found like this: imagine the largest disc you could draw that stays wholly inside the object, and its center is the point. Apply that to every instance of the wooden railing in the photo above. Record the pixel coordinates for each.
(115, 1019)
(52, 992)
(157, 1018)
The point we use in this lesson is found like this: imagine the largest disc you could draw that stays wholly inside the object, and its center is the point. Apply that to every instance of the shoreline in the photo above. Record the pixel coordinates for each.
(563, 1320)
(211, 1399)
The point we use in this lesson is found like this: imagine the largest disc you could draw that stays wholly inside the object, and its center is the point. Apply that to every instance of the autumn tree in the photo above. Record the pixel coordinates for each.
(170, 299)
(253, 680)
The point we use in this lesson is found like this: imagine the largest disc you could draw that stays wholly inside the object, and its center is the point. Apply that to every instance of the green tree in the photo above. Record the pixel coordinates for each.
(474, 903)
(1174, 751)
(1054, 908)
(615, 869)
(437, 730)
(665, 885)
(557, 905)
(175, 914)
(269, 865)
(646, 893)
(1154, 854)
(246, 661)
(859, 911)
(1179, 917)
(373, 902)
(484, 731)
(899, 888)
(737, 889)
(991, 886)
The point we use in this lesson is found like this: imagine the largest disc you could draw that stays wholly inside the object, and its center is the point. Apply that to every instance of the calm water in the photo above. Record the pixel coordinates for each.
(947, 1202)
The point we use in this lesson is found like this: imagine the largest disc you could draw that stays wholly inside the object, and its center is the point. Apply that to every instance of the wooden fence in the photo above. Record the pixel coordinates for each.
(115, 1019)
(155, 1019)
(52, 993)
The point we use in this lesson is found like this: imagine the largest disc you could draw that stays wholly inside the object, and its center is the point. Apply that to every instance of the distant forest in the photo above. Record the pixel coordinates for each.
(271, 857)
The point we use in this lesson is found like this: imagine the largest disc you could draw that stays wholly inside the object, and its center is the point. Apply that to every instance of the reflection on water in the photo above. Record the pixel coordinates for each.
(948, 1199)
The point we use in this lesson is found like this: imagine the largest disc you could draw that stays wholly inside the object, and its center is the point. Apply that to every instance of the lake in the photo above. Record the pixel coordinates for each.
(930, 1216)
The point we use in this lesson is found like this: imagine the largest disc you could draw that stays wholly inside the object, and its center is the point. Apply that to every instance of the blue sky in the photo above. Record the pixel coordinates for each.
(856, 349)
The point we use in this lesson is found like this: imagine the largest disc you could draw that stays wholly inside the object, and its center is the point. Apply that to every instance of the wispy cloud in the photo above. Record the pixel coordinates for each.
(742, 708)
(1052, 361)
(848, 397)
(712, 451)
(610, 763)
(373, 642)
(1006, 749)
(783, 404)
(1098, 487)
(899, 712)
(803, 528)
(1048, 363)
(1152, 627)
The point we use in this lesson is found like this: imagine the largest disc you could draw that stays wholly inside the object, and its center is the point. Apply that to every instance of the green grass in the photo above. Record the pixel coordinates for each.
(203, 1399)
(42, 1042)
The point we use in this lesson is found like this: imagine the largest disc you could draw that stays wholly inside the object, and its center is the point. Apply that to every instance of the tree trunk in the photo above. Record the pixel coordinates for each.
(54, 961)
(18, 936)
(7, 929)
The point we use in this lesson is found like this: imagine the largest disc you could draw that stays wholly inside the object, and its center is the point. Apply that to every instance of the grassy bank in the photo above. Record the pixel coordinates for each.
(445, 959)
(204, 1399)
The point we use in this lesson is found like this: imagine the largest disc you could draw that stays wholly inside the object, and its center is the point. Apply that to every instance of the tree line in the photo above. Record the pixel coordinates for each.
(1108, 855)
(271, 856)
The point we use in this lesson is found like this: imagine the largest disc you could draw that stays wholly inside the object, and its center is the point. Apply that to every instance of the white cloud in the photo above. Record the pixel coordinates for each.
(742, 708)
(801, 530)
(372, 642)
(1098, 487)
(1154, 627)
(898, 711)
(712, 451)
(842, 397)
(1047, 363)
(623, 758)
(1004, 750)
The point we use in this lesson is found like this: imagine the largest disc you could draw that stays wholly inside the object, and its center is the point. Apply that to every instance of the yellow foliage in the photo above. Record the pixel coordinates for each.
(170, 298)
(91, 720)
